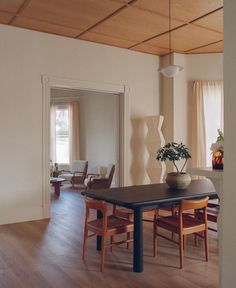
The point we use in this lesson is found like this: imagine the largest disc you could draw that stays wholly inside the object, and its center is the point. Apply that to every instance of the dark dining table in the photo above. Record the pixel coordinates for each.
(142, 198)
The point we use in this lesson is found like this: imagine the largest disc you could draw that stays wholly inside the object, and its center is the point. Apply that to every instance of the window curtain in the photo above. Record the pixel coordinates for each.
(74, 131)
(207, 117)
(213, 107)
(53, 133)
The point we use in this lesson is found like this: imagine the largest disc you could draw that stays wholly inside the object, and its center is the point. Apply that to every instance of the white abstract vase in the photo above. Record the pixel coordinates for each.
(154, 140)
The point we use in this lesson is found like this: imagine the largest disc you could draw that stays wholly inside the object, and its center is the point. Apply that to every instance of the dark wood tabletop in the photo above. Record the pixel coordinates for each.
(156, 194)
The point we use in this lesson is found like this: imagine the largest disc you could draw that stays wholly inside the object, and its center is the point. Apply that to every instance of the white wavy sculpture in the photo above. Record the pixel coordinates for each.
(154, 140)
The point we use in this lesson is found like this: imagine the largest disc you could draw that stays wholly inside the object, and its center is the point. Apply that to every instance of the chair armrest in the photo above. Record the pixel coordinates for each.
(99, 179)
(213, 205)
(93, 174)
(77, 172)
(96, 183)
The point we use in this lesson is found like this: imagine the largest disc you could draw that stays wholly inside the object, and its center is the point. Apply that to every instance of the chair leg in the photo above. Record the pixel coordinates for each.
(181, 257)
(195, 239)
(111, 242)
(184, 242)
(128, 238)
(206, 243)
(85, 241)
(128, 234)
(103, 252)
(154, 238)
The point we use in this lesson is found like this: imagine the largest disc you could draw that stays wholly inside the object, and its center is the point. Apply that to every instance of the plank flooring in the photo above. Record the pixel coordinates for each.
(43, 254)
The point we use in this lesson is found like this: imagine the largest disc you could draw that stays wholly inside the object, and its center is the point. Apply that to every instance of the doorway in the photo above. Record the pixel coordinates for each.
(97, 129)
(121, 92)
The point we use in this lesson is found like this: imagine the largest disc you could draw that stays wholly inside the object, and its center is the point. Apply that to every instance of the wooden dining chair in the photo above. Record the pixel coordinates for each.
(128, 214)
(213, 210)
(184, 223)
(106, 227)
(96, 181)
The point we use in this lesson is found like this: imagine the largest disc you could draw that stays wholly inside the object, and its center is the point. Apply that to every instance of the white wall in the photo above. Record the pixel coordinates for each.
(98, 123)
(204, 67)
(228, 259)
(27, 55)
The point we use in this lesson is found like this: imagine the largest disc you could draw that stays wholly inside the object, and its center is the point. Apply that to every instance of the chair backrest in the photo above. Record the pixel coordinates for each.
(110, 172)
(98, 205)
(79, 166)
(193, 204)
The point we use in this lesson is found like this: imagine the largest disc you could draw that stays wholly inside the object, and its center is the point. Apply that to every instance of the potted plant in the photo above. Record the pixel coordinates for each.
(217, 149)
(175, 152)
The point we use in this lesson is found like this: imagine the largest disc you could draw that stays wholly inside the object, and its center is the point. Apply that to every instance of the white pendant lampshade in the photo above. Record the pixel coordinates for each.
(170, 70)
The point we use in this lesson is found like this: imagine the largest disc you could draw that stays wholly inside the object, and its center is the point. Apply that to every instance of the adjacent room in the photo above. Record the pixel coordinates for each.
(118, 118)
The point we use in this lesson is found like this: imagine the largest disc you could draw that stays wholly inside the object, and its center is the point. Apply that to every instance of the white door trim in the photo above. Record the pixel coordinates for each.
(49, 82)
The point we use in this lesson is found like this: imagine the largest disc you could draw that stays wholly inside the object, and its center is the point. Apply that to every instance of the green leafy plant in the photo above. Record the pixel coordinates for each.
(174, 152)
(220, 136)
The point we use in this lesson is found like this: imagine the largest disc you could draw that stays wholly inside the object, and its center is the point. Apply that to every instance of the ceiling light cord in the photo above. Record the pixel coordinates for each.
(170, 70)
(170, 34)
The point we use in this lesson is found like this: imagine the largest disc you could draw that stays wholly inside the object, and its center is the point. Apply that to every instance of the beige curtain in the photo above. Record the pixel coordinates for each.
(201, 90)
(53, 133)
(198, 150)
(74, 131)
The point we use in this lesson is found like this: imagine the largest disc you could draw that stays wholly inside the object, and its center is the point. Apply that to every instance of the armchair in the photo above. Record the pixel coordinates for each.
(96, 181)
(78, 172)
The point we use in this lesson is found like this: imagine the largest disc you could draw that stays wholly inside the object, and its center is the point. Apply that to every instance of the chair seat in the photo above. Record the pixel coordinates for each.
(188, 223)
(212, 213)
(114, 224)
(123, 212)
(67, 176)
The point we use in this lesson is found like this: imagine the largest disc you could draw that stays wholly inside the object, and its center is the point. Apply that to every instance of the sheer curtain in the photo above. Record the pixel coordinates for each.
(213, 107)
(207, 117)
(74, 131)
(53, 133)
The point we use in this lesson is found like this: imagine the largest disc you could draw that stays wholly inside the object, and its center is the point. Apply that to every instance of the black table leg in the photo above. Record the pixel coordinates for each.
(99, 238)
(138, 241)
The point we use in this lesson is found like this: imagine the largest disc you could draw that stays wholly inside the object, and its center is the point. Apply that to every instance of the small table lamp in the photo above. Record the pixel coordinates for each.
(102, 170)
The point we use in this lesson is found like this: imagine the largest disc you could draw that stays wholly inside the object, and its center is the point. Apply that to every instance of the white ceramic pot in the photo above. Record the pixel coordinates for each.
(178, 180)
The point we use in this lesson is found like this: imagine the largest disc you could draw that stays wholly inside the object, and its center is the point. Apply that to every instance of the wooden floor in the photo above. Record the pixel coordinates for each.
(45, 254)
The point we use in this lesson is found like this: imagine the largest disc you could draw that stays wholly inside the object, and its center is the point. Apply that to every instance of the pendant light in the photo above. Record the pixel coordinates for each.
(170, 70)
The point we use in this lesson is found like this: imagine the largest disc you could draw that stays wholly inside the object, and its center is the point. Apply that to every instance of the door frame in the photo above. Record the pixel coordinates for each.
(49, 82)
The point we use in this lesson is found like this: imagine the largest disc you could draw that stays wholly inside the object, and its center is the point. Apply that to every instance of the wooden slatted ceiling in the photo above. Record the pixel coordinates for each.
(213, 21)
(212, 48)
(135, 24)
(185, 10)
(74, 13)
(139, 25)
(11, 6)
(186, 38)
(5, 17)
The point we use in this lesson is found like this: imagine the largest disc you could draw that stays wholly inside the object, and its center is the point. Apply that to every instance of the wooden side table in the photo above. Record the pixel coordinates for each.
(56, 183)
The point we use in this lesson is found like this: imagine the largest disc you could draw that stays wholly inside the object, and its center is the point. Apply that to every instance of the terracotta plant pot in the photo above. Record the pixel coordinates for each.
(178, 180)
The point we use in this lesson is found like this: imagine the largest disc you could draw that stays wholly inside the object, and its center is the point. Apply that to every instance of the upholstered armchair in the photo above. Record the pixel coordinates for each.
(78, 172)
(96, 181)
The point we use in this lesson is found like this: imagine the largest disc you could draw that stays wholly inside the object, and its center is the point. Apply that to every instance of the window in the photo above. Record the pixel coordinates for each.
(64, 133)
(207, 118)
(62, 136)
(213, 114)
